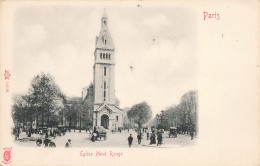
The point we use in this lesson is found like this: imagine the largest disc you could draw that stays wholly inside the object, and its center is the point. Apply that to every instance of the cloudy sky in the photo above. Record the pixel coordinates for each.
(159, 43)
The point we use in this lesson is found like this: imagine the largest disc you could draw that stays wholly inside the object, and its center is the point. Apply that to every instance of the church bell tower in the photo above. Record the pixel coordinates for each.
(104, 71)
(104, 66)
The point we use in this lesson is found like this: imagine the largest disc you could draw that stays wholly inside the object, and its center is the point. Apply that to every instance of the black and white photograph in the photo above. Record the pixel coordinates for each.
(105, 77)
(129, 83)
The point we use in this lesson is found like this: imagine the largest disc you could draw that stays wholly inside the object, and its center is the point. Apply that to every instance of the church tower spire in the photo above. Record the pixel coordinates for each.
(104, 40)
(104, 65)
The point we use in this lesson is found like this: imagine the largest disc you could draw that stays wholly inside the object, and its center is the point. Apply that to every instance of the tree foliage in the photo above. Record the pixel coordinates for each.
(73, 110)
(42, 102)
(88, 107)
(183, 115)
(140, 114)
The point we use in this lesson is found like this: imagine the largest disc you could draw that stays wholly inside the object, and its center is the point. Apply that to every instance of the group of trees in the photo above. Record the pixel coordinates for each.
(46, 105)
(183, 115)
(40, 103)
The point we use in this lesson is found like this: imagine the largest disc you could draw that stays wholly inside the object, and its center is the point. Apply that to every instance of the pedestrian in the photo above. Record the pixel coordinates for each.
(46, 142)
(191, 135)
(93, 137)
(54, 133)
(29, 133)
(147, 135)
(68, 144)
(39, 142)
(17, 134)
(152, 139)
(139, 137)
(46, 135)
(130, 140)
(159, 138)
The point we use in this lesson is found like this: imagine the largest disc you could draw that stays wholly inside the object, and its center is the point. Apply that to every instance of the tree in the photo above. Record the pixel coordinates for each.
(47, 97)
(88, 107)
(29, 108)
(140, 114)
(189, 105)
(73, 109)
(18, 110)
(23, 110)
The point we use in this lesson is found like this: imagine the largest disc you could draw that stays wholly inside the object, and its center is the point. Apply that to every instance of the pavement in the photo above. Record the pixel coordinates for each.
(113, 140)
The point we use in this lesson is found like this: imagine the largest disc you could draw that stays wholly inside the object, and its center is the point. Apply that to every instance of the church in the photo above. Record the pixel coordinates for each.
(105, 112)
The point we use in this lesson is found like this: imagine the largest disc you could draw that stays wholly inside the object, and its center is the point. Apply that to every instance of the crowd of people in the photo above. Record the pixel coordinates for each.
(47, 136)
(155, 137)
(151, 136)
(44, 137)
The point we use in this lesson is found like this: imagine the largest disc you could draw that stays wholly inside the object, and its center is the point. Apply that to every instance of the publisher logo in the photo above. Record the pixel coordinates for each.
(7, 156)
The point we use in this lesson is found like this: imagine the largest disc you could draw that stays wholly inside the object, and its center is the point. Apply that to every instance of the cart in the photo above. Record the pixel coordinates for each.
(102, 135)
(99, 132)
(173, 132)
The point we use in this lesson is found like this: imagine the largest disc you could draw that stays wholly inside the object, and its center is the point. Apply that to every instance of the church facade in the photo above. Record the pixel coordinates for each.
(105, 112)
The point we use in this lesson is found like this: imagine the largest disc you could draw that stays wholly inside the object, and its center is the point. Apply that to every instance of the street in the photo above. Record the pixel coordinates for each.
(113, 140)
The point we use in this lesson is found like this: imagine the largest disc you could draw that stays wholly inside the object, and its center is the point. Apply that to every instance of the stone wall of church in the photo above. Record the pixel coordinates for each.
(98, 83)
(115, 119)
(119, 120)
(112, 85)
(100, 78)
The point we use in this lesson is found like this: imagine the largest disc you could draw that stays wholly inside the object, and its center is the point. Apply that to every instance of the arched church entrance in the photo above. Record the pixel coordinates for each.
(105, 121)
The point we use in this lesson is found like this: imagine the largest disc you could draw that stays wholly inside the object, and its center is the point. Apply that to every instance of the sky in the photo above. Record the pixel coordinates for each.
(158, 42)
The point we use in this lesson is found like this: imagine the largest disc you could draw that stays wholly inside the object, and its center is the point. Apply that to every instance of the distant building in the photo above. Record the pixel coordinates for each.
(105, 112)
(126, 122)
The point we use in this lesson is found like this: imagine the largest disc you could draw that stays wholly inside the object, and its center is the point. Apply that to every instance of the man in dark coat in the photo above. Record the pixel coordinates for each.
(147, 135)
(93, 137)
(159, 138)
(130, 140)
(29, 133)
(139, 137)
(39, 142)
(46, 142)
(191, 135)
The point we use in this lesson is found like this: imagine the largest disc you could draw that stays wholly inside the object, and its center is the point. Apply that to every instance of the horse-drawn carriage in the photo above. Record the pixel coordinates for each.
(99, 132)
(173, 132)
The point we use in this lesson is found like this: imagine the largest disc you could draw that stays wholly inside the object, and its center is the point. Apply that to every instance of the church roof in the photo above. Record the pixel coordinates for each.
(112, 108)
(115, 108)
(104, 40)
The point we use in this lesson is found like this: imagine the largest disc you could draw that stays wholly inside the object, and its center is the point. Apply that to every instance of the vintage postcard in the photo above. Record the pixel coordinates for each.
(129, 83)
